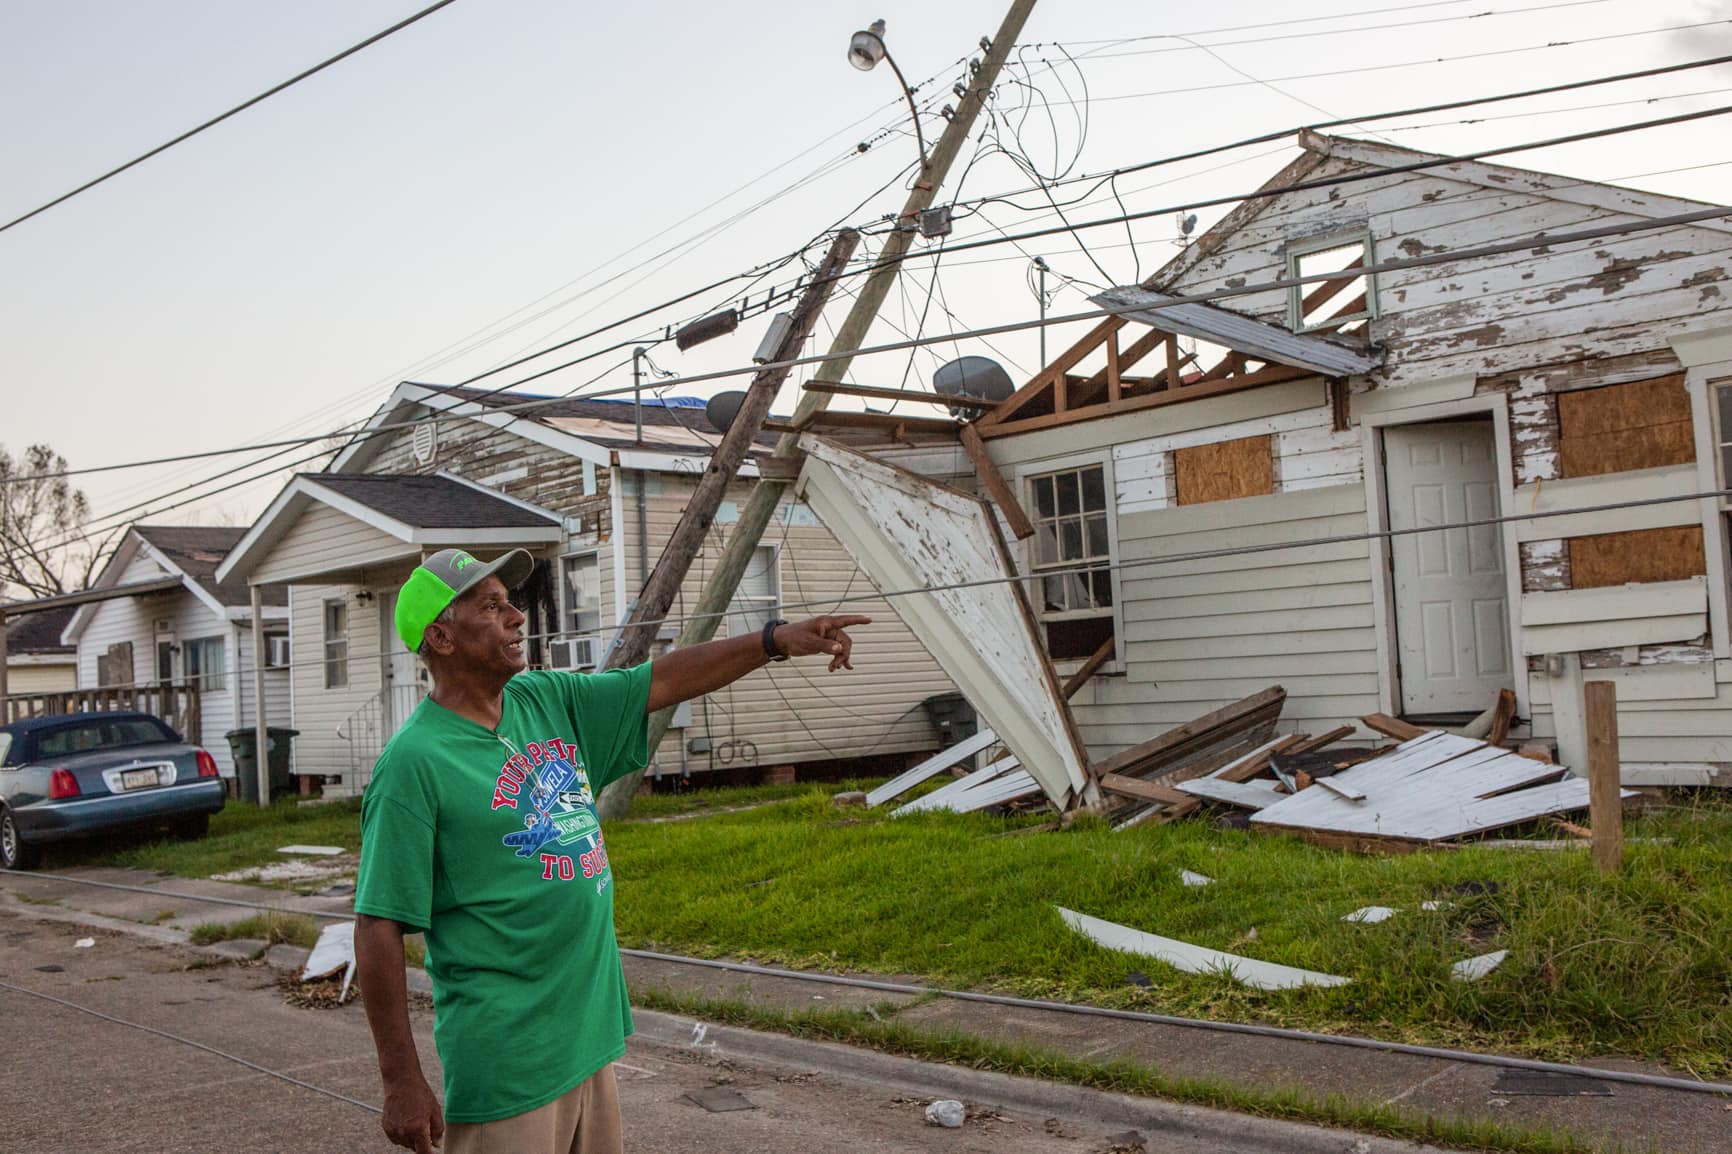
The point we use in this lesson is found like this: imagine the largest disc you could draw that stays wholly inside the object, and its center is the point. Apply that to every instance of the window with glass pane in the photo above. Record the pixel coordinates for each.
(336, 644)
(205, 666)
(759, 594)
(1070, 522)
(582, 594)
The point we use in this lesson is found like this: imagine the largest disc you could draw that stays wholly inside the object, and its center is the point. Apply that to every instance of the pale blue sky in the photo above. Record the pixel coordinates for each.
(282, 270)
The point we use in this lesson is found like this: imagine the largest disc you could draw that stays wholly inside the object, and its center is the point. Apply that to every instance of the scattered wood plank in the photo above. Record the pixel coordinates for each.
(1089, 668)
(1147, 790)
(781, 468)
(1141, 759)
(1535, 751)
(1257, 760)
(879, 393)
(1341, 789)
(1502, 717)
(1312, 744)
(1391, 726)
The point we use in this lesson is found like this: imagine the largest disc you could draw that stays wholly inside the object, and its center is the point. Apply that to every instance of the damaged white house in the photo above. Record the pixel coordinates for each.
(1206, 483)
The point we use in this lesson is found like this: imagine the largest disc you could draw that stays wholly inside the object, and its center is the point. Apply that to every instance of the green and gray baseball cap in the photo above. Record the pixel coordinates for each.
(446, 576)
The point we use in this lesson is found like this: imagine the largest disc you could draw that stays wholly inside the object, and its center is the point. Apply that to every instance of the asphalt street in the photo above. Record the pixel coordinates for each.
(73, 1082)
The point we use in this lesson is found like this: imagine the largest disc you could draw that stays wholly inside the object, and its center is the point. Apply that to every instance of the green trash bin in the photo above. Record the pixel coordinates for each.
(243, 748)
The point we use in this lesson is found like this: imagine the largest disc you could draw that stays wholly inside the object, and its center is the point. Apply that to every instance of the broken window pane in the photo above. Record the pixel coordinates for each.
(1043, 497)
(1045, 545)
(1070, 540)
(1339, 300)
(1097, 537)
(1094, 490)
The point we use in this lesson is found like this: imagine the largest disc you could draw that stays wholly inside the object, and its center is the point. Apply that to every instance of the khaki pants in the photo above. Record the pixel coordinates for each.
(583, 1120)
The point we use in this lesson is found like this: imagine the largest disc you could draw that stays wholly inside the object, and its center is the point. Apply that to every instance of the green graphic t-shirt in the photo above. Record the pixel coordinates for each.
(489, 841)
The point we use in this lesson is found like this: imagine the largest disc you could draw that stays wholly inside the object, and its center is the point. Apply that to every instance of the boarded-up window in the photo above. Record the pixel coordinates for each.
(115, 666)
(1225, 470)
(1670, 554)
(1641, 425)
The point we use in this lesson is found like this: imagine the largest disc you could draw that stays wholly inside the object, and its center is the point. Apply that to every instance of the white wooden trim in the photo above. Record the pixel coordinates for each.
(1377, 514)
(1608, 489)
(1698, 350)
(1670, 773)
(1615, 602)
(123, 555)
(1716, 550)
(1457, 387)
(204, 595)
(683, 464)
(1193, 959)
(353, 458)
(1681, 681)
(1539, 639)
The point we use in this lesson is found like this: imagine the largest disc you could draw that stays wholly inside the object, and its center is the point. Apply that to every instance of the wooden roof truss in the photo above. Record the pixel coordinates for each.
(1059, 396)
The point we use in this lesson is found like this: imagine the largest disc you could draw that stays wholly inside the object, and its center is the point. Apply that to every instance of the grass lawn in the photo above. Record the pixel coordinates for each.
(240, 836)
(1639, 964)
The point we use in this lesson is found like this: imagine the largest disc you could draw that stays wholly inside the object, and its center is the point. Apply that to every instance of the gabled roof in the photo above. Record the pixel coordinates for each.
(432, 501)
(677, 436)
(421, 511)
(1319, 148)
(190, 554)
(197, 551)
(38, 633)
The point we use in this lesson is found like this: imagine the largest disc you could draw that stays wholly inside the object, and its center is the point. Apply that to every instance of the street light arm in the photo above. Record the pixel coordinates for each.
(913, 112)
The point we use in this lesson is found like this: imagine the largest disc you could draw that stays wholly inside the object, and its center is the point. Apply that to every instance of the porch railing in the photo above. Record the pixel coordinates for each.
(366, 730)
(176, 704)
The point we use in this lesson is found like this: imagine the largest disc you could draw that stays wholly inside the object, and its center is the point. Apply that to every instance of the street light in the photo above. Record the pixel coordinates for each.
(865, 49)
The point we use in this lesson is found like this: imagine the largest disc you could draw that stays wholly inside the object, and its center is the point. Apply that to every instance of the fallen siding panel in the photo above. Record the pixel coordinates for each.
(1195, 959)
(908, 533)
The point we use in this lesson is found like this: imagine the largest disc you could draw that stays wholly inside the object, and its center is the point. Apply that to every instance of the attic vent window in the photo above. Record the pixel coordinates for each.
(1343, 302)
(425, 441)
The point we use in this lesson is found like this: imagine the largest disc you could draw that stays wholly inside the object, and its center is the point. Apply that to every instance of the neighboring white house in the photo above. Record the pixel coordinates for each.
(1174, 453)
(197, 633)
(570, 481)
(37, 661)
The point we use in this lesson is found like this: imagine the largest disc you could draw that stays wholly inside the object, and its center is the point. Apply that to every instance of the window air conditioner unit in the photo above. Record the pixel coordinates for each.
(576, 653)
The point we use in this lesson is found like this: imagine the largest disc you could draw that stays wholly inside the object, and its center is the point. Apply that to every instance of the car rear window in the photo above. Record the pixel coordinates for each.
(5, 749)
(106, 733)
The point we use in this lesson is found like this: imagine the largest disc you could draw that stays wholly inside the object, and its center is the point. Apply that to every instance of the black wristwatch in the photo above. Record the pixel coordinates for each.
(770, 649)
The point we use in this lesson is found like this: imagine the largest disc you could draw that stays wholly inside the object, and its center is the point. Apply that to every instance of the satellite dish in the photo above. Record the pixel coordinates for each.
(979, 377)
(723, 408)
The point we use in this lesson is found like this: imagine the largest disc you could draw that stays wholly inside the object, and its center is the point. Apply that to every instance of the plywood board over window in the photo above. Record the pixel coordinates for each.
(1669, 554)
(1639, 425)
(1225, 470)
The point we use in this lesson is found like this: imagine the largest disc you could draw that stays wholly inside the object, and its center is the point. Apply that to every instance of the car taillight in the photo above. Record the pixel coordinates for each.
(61, 783)
(207, 766)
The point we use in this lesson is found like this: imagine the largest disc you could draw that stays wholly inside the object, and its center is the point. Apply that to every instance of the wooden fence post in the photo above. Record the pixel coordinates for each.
(1605, 805)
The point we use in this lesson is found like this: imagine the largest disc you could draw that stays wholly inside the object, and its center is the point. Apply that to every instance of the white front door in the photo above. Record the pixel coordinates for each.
(404, 676)
(1451, 596)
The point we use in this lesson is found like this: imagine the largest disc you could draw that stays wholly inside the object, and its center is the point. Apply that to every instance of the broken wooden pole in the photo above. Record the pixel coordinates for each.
(1605, 800)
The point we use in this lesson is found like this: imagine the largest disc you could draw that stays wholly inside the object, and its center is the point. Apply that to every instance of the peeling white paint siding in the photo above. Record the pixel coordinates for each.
(1309, 454)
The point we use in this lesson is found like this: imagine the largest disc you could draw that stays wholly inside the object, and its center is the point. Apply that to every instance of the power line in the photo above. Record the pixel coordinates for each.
(1712, 212)
(239, 108)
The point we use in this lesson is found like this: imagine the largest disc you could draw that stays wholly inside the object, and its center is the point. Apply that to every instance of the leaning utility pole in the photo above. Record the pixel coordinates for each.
(755, 516)
(638, 632)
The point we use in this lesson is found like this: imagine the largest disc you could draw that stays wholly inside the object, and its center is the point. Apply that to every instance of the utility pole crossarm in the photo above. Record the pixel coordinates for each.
(657, 595)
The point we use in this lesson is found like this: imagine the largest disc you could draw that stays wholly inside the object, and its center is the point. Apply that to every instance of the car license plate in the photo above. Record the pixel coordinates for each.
(138, 779)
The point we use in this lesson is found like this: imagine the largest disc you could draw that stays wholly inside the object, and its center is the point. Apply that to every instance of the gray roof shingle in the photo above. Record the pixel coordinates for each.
(198, 549)
(430, 502)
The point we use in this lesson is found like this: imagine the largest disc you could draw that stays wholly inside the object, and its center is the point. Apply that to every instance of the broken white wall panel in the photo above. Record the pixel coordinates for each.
(1653, 599)
(1473, 969)
(941, 797)
(1234, 330)
(1244, 794)
(1607, 489)
(908, 533)
(1340, 788)
(1433, 788)
(1193, 959)
(1683, 681)
(936, 764)
(1195, 880)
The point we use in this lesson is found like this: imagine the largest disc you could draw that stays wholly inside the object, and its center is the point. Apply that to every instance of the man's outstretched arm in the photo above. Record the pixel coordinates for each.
(687, 673)
(412, 1115)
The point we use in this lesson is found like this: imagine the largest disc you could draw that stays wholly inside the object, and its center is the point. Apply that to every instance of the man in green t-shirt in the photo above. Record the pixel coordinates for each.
(479, 828)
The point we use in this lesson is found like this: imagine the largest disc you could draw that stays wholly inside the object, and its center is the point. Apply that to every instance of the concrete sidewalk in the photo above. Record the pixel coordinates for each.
(1614, 1116)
